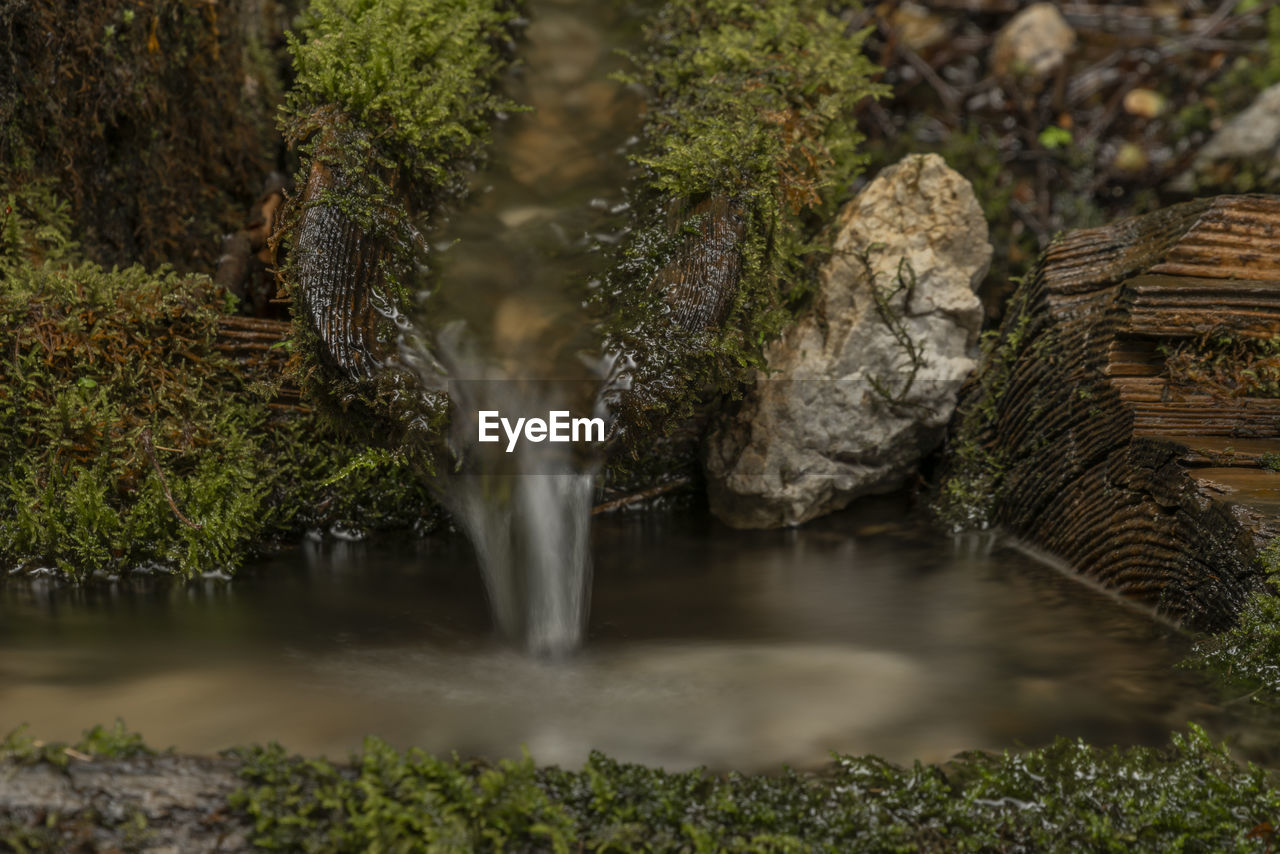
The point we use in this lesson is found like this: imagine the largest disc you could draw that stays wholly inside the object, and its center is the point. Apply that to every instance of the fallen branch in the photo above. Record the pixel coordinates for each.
(642, 495)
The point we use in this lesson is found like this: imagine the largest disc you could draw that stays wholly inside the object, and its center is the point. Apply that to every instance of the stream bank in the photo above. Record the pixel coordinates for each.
(1189, 795)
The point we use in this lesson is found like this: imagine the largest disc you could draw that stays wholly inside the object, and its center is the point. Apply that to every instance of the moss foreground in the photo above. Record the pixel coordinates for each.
(133, 439)
(1188, 796)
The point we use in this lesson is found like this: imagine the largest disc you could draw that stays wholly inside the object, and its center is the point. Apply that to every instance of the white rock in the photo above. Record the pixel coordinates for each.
(1251, 139)
(815, 433)
(1034, 42)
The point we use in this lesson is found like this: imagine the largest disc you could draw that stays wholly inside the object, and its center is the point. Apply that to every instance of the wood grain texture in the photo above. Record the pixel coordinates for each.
(1098, 454)
(701, 281)
(339, 269)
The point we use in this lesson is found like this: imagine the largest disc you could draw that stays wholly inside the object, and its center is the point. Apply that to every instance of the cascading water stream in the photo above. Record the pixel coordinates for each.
(509, 334)
(526, 507)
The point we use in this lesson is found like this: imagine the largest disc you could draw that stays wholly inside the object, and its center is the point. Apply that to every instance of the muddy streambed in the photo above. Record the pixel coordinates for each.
(856, 633)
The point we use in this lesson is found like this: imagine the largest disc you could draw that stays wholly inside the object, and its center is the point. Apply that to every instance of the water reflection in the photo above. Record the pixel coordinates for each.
(706, 646)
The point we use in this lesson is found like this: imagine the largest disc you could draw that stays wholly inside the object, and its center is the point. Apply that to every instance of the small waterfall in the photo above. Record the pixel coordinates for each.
(534, 550)
(502, 326)
(527, 511)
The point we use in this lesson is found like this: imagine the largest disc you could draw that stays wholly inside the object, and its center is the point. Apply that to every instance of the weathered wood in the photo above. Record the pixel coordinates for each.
(339, 272)
(1077, 436)
(702, 280)
(256, 345)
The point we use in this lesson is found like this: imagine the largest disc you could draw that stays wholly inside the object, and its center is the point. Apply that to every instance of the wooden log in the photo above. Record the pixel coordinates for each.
(180, 800)
(701, 281)
(1081, 435)
(339, 272)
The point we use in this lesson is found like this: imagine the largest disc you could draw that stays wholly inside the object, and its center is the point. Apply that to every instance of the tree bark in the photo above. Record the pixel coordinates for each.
(1077, 435)
(339, 269)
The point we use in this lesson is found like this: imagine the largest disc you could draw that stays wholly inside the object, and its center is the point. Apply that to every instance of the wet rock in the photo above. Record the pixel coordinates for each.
(166, 803)
(1034, 42)
(1244, 155)
(862, 387)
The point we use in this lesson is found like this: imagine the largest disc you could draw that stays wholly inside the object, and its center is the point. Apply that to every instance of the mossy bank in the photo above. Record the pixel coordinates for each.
(136, 437)
(134, 440)
(391, 112)
(1188, 796)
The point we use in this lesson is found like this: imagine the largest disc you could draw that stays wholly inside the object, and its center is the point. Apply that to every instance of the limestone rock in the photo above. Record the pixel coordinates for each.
(1244, 154)
(1034, 42)
(862, 387)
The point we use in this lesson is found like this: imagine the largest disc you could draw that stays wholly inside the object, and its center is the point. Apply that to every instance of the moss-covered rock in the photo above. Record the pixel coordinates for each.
(133, 439)
(748, 146)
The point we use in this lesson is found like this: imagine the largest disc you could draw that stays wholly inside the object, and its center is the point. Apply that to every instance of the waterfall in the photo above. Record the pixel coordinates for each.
(533, 546)
(502, 325)
(526, 509)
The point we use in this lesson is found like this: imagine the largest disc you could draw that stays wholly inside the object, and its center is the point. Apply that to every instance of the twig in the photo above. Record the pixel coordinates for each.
(642, 495)
(946, 92)
(164, 484)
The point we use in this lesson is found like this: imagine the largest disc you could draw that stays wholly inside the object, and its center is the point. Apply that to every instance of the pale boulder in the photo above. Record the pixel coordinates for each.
(862, 386)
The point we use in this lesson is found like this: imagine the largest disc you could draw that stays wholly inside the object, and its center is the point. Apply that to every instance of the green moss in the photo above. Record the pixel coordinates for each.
(132, 440)
(117, 742)
(409, 802)
(1227, 363)
(120, 448)
(1246, 657)
(411, 81)
(396, 98)
(393, 100)
(35, 225)
(151, 133)
(753, 103)
(970, 489)
(1189, 796)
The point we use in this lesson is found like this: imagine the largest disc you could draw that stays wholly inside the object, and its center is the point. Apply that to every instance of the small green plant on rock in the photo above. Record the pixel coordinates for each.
(893, 319)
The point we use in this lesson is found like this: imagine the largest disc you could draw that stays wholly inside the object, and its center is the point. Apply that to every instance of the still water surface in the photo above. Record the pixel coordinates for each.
(855, 634)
